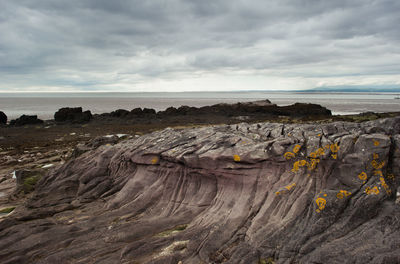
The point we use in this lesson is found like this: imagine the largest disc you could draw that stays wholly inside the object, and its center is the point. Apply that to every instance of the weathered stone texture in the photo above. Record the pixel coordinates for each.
(311, 193)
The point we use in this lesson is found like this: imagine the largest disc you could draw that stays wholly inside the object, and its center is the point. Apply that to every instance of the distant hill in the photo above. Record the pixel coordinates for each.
(354, 89)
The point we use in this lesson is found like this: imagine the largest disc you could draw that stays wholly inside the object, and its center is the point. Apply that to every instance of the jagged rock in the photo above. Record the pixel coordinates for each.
(3, 118)
(245, 193)
(26, 120)
(74, 115)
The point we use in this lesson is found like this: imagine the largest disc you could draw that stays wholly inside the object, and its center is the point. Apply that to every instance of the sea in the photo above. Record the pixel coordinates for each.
(44, 105)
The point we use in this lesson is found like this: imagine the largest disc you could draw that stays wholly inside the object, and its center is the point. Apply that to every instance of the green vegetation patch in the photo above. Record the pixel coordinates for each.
(7, 210)
(30, 182)
(268, 261)
(172, 231)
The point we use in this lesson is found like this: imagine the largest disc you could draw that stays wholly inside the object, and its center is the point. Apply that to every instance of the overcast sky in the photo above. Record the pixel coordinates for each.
(104, 45)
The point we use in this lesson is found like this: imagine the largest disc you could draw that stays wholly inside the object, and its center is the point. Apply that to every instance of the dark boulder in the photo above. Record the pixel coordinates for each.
(73, 115)
(137, 111)
(3, 118)
(26, 120)
(121, 113)
(149, 111)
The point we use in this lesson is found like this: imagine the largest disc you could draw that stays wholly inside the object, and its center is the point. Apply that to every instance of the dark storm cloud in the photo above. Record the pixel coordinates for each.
(87, 43)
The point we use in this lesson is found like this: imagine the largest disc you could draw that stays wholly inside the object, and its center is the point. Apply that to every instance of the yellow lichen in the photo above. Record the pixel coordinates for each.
(288, 155)
(373, 190)
(154, 160)
(312, 164)
(290, 186)
(342, 193)
(334, 156)
(375, 156)
(320, 152)
(236, 158)
(295, 166)
(384, 184)
(298, 164)
(377, 165)
(296, 148)
(321, 203)
(376, 143)
(334, 147)
(362, 176)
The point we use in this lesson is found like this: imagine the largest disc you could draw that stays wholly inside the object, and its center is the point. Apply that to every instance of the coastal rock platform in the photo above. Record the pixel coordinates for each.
(241, 193)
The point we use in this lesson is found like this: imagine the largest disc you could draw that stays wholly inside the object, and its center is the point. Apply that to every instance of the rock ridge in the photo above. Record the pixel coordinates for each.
(243, 193)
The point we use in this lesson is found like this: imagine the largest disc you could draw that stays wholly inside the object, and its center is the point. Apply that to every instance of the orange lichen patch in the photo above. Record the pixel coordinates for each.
(313, 155)
(154, 160)
(277, 193)
(373, 190)
(296, 148)
(236, 158)
(289, 135)
(289, 155)
(342, 193)
(376, 143)
(321, 203)
(377, 165)
(334, 147)
(362, 176)
(325, 194)
(334, 156)
(319, 135)
(326, 146)
(378, 173)
(375, 156)
(384, 184)
(290, 186)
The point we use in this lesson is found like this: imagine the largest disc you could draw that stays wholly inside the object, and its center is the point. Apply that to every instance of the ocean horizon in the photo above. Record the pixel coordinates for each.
(45, 104)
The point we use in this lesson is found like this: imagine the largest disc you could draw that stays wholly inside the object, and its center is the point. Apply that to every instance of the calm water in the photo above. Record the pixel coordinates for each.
(46, 104)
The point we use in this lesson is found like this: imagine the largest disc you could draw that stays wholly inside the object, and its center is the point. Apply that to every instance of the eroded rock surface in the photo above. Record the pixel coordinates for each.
(241, 193)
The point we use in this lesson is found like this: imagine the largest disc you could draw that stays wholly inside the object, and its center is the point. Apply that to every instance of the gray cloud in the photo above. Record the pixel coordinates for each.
(88, 45)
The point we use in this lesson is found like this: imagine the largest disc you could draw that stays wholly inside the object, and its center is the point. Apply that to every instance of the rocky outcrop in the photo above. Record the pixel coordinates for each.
(72, 115)
(3, 118)
(259, 193)
(26, 120)
(257, 108)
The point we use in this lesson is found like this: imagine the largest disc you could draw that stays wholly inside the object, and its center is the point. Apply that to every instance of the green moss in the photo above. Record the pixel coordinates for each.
(267, 261)
(7, 210)
(174, 230)
(30, 182)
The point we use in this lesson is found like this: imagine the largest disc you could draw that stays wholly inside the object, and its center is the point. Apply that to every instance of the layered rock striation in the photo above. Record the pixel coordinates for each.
(245, 193)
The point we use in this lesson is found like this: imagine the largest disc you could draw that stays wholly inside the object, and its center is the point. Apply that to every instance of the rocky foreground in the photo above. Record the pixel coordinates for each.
(259, 193)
